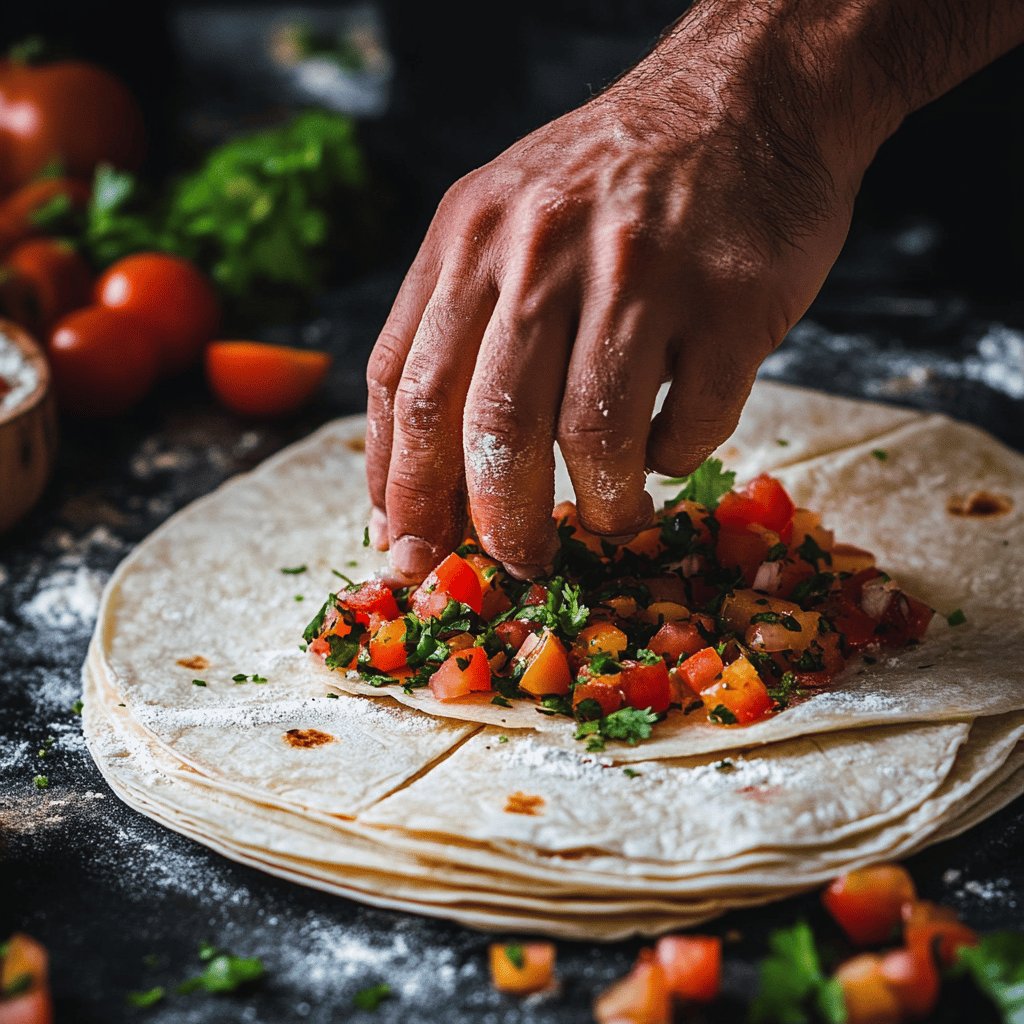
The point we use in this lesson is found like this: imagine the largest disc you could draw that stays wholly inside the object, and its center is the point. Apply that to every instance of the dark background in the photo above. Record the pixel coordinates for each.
(924, 308)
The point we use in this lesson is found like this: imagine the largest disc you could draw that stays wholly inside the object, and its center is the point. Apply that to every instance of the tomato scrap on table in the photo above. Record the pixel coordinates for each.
(733, 606)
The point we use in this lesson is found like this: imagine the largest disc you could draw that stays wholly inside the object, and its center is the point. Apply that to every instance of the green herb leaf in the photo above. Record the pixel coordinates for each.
(198, 682)
(18, 984)
(225, 973)
(207, 951)
(630, 725)
(956, 618)
(880, 453)
(721, 715)
(370, 998)
(501, 701)
(316, 625)
(516, 956)
(630, 773)
(41, 782)
(811, 552)
(150, 997)
(996, 965)
(77, 707)
(297, 570)
(366, 536)
(706, 485)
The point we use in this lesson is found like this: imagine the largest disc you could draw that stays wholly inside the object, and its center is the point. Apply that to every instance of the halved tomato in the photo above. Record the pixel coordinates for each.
(453, 580)
(461, 673)
(547, 665)
(255, 379)
(868, 903)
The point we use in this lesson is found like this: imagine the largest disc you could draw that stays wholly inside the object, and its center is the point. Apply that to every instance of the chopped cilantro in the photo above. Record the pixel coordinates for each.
(41, 782)
(370, 998)
(783, 690)
(366, 536)
(198, 682)
(562, 611)
(316, 626)
(782, 442)
(516, 956)
(150, 997)
(588, 710)
(996, 965)
(463, 662)
(331, 696)
(812, 553)
(344, 648)
(880, 453)
(557, 705)
(956, 618)
(207, 951)
(77, 707)
(776, 552)
(706, 485)
(627, 724)
(647, 657)
(725, 766)
(295, 571)
(501, 701)
(603, 664)
(793, 988)
(225, 973)
(18, 984)
(630, 773)
(239, 677)
(503, 739)
(811, 660)
(694, 705)
(721, 715)
(299, 597)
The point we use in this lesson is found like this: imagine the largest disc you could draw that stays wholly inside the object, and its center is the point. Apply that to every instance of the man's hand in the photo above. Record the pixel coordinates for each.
(673, 228)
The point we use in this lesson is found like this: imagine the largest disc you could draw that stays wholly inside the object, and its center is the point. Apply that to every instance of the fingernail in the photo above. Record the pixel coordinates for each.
(413, 556)
(379, 530)
(526, 572)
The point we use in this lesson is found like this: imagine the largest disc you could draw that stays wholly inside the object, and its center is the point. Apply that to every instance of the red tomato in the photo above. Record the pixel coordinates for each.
(374, 597)
(913, 978)
(461, 673)
(513, 632)
(763, 501)
(642, 997)
(17, 211)
(692, 965)
(103, 361)
(927, 925)
(254, 379)
(69, 111)
(172, 296)
(25, 958)
(387, 646)
(675, 639)
(602, 689)
(740, 692)
(601, 638)
(453, 580)
(529, 967)
(868, 996)
(868, 903)
(46, 279)
(700, 670)
(645, 686)
(547, 665)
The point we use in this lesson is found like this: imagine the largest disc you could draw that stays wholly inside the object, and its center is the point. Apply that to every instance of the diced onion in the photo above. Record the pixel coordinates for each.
(769, 577)
(876, 596)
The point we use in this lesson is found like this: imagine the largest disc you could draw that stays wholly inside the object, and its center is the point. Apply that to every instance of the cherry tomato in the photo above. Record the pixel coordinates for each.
(43, 280)
(170, 295)
(254, 379)
(675, 639)
(18, 209)
(103, 361)
(69, 111)
(868, 903)
(932, 928)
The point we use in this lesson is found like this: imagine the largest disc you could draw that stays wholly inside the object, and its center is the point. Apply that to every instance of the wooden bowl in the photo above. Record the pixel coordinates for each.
(28, 435)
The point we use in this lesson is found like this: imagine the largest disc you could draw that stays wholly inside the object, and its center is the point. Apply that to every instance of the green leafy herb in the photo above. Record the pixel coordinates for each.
(316, 625)
(150, 997)
(370, 998)
(366, 537)
(706, 485)
(18, 984)
(41, 782)
(503, 739)
(463, 662)
(77, 707)
(225, 973)
(344, 648)
(299, 597)
(782, 442)
(721, 715)
(956, 618)
(694, 705)
(557, 705)
(501, 701)
(630, 773)
(776, 552)
(198, 682)
(631, 725)
(996, 965)
(793, 989)
(562, 611)
(516, 956)
(588, 710)
(294, 571)
(811, 552)
(239, 677)
(783, 690)
(207, 951)
(647, 657)
(880, 453)
(603, 664)
(725, 766)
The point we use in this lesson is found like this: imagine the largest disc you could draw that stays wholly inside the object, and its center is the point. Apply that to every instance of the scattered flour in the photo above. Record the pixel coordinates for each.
(66, 599)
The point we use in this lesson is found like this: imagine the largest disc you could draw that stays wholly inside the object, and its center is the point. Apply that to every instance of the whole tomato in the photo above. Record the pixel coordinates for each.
(68, 111)
(42, 280)
(104, 361)
(172, 296)
(18, 210)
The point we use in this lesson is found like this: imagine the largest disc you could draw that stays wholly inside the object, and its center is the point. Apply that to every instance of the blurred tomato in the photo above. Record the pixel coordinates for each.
(69, 111)
(103, 361)
(172, 296)
(255, 379)
(18, 210)
(44, 279)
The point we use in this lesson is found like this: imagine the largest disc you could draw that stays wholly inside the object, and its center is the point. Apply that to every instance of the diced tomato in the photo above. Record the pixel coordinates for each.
(740, 606)
(601, 638)
(763, 501)
(868, 996)
(742, 548)
(794, 631)
(547, 665)
(387, 646)
(535, 595)
(374, 597)
(514, 632)
(913, 978)
(494, 600)
(24, 970)
(461, 673)
(624, 607)
(929, 927)
(740, 691)
(646, 543)
(602, 689)
(847, 558)
(692, 965)
(453, 580)
(700, 670)
(868, 903)
(319, 646)
(645, 686)
(676, 639)
(659, 612)
(524, 968)
(808, 524)
(564, 513)
(641, 997)
(696, 513)
(905, 619)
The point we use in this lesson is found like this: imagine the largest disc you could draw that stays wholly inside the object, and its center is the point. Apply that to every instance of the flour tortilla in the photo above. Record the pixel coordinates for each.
(209, 582)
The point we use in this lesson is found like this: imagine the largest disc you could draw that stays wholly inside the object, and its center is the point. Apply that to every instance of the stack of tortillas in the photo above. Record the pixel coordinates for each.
(497, 817)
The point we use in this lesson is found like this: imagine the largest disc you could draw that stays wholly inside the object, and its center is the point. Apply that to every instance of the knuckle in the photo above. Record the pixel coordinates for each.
(384, 368)
(424, 410)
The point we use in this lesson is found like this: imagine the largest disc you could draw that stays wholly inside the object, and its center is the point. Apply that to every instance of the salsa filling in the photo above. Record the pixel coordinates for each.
(733, 606)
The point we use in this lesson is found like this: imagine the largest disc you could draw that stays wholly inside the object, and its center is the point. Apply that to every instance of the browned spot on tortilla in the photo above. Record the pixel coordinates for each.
(356, 444)
(196, 663)
(979, 504)
(307, 738)
(523, 803)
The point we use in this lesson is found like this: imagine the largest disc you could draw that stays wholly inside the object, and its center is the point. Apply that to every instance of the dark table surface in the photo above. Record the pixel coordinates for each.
(122, 903)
